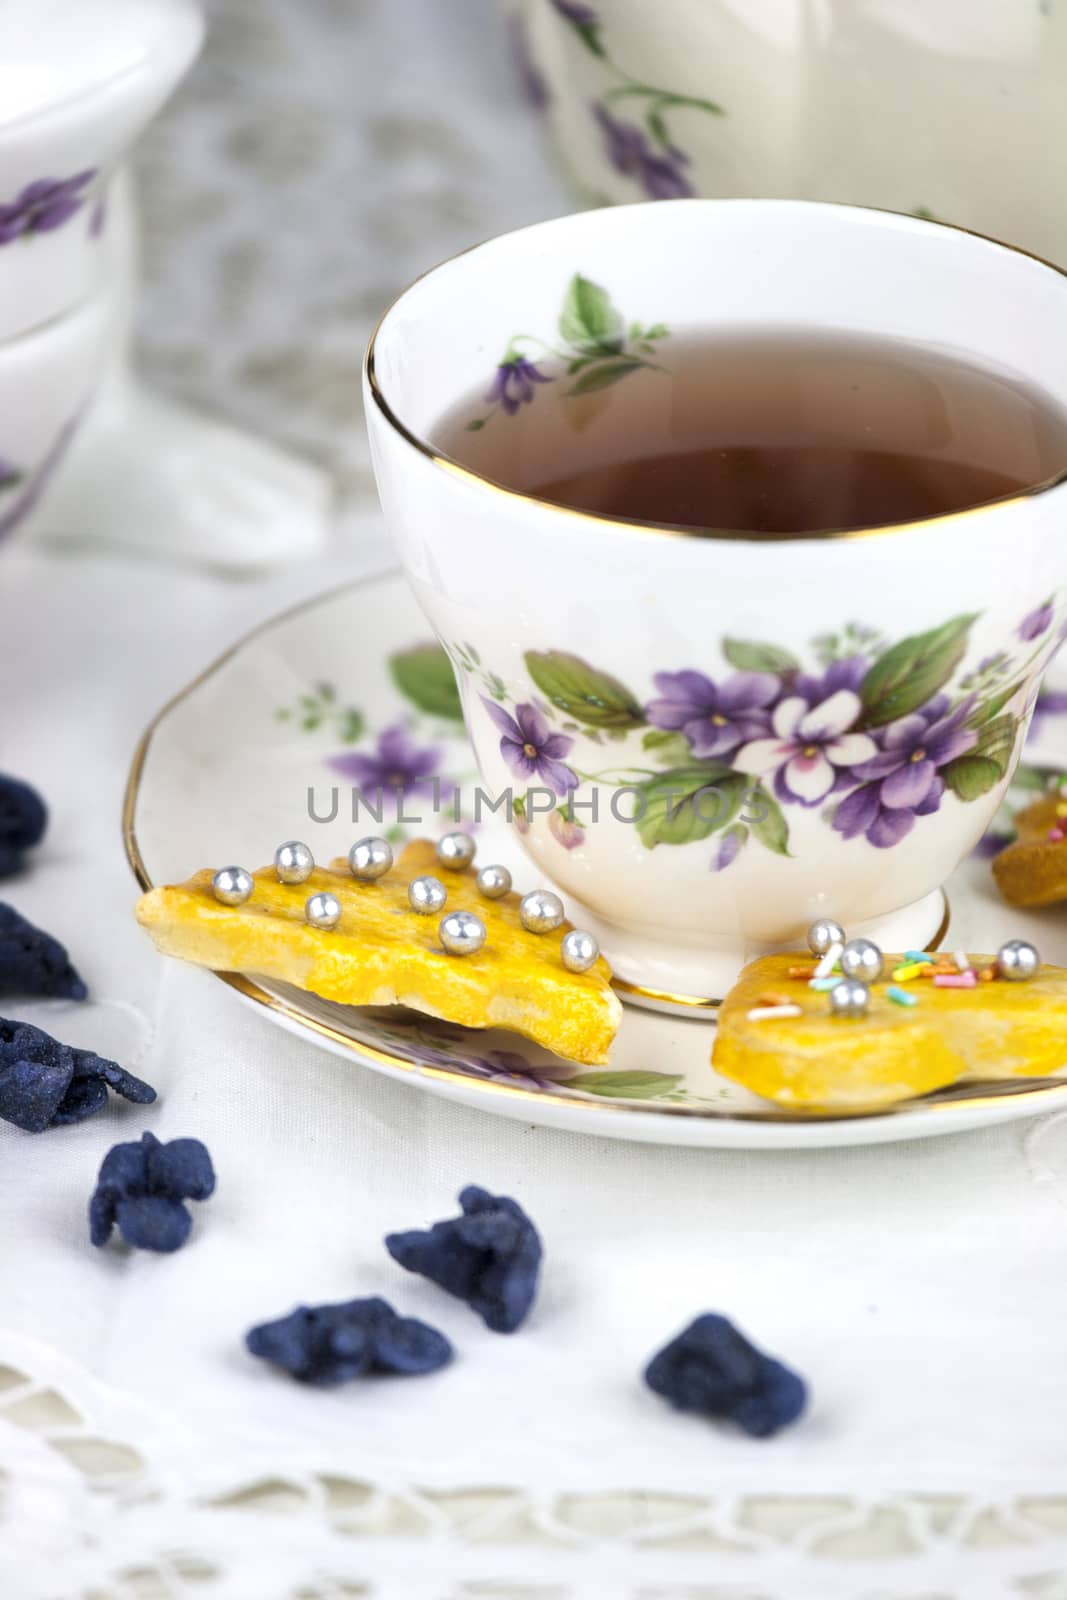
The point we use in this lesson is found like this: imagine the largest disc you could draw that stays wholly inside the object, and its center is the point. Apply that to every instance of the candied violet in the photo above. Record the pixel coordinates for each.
(330, 1344)
(712, 1368)
(142, 1186)
(23, 819)
(490, 1257)
(46, 1084)
(33, 963)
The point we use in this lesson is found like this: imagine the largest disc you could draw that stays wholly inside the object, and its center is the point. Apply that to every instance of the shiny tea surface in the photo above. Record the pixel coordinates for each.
(776, 433)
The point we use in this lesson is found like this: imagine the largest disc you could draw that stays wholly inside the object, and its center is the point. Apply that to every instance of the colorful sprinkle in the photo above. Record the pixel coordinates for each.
(922, 956)
(987, 974)
(901, 997)
(769, 1013)
(829, 960)
(1061, 809)
(962, 960)
(910, 969)
(1055, 835)
(824, 985)
(772, 998)
(803, 972)
(956, 980)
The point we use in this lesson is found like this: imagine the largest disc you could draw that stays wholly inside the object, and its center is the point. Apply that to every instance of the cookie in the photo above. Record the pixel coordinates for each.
(821, 1062)
(1033, 870)
(382, 953)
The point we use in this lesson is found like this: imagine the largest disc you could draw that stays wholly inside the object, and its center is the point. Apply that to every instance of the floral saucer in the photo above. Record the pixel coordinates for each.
(310, 716)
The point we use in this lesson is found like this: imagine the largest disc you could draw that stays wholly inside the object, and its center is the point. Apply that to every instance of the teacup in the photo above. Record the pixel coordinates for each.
(892, 671)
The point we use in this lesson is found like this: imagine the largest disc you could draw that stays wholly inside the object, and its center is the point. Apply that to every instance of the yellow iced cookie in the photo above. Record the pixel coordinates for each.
(1033, 870)
(382, 953)
(996, 1030)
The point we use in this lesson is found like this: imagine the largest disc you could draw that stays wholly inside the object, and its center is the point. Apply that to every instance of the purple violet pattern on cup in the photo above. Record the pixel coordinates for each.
(903, 781)
(44, 205)
(530, 748)
(715, 718)
(513, 385)
(878, 736)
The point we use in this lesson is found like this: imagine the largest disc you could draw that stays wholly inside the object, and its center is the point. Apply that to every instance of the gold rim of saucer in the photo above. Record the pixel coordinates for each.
(977, 1094)
(675, 530)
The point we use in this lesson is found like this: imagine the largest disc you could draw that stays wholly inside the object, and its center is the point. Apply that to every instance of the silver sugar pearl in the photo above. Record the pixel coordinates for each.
(462, 933)
(578, 950)
(370, 859)
(232, 885)
(323, 911)
(455, 851)
(824, 933)
(1017, 960)
(850, 998)
(427, 895)
(861, 958)
(293, 862)
(494, 882)
(541, 911)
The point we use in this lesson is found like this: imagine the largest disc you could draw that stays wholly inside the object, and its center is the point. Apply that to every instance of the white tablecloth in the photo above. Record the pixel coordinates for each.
(918, 1286)
(142, 1453)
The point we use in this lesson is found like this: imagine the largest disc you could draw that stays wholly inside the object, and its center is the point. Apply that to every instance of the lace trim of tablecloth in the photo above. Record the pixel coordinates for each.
(99, 1502)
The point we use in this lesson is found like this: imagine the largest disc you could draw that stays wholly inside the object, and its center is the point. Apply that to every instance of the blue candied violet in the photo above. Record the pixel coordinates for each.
(490, 1257)
(711, 1368)
(142, 1188)
(33, 963)
(46, 1084)
(327, 1345)
(23, 819)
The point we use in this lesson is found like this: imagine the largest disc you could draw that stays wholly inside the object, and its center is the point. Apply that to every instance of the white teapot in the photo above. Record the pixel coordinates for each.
(955, 109)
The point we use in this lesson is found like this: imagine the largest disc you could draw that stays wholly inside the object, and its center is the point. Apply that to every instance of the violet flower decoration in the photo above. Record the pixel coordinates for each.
(581, 15)
(903, 781)
(811, 748)
(1036, 622)
(398, 763)
(513, 385)
(531, 749)
(715, 718)
(630, 152)
(44, 205)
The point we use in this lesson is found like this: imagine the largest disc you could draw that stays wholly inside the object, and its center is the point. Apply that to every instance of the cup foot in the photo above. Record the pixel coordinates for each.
(685, 980)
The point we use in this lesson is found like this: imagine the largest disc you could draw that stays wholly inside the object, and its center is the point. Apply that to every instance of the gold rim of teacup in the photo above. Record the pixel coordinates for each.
(672, 530)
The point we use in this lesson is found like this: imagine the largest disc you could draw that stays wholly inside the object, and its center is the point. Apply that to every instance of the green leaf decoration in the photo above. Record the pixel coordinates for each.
(670, 749)
(424, 676)
(589, 34)
(591, 697)
(684, 804)
(589, 322)
(749, 656)
(971, 776)
(767, 820)
(352, 725)
(907, 675)
(476, 426)
(603, 375)
(996, 742)
(631, 1085)
(988, 709)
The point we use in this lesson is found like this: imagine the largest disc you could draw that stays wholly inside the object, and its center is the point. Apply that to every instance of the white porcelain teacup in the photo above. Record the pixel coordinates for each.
(803, 727)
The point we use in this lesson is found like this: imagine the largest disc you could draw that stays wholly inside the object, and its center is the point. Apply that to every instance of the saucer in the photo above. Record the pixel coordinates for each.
(350, 689)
